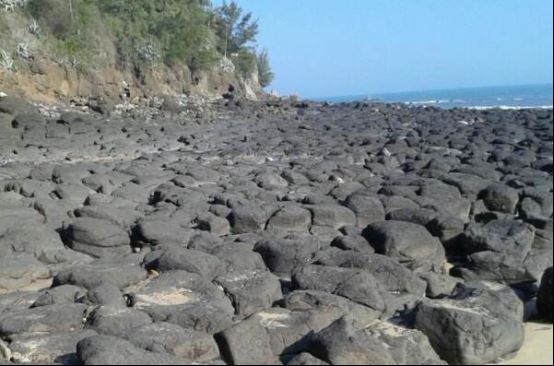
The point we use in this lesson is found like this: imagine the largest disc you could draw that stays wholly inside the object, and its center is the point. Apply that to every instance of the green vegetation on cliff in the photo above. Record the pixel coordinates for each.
(147, 33)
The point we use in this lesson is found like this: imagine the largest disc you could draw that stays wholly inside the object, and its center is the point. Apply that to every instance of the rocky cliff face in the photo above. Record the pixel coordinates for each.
(31, 67)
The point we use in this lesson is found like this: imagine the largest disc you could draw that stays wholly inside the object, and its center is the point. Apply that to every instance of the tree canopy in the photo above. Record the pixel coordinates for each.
(165, 31)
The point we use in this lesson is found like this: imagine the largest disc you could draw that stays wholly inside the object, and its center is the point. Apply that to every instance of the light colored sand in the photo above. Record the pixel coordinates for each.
(537, 349)
(33, 287)
(166, 298)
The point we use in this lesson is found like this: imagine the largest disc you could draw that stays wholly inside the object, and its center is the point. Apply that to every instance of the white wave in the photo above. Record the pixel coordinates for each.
(423, 102)
(510, 107)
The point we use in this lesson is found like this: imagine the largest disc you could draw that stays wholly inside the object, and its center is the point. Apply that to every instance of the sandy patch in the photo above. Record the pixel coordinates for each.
(273, 320)
(537, 349)
(36, 286)
(166, 298)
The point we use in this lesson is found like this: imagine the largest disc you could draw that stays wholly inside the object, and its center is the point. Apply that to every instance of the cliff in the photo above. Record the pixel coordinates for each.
(62, 53)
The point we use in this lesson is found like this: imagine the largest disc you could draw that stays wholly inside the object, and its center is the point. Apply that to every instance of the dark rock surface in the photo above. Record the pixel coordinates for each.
(476, 325)
(545, 298)
(273, 232)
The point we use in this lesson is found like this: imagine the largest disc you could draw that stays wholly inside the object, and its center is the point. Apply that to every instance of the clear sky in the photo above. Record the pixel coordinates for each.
(323, 48)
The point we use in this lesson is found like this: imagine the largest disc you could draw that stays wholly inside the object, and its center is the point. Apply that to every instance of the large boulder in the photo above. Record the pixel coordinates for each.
(333, 216)
(290, 219)
(190, 260)
(185, 299)
(305, 300)
(283, 255)
(290, 331)
(155, 231)
(98, 238)
(404, 287)
(356, 285)
(109, 350)
(368, 209)
(45, 319)
(247, 219)
(501, 198)
(497, 251)
(380, 344)
(170, 338)
(47, 348)
(65, 294)
(116, 321)
(20, 270)
(475, 325)
(247, 343)
(98, 273)
(410, 244)
(250, 291)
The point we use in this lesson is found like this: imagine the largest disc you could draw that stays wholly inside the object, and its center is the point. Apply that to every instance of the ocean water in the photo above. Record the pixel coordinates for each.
(506, 97)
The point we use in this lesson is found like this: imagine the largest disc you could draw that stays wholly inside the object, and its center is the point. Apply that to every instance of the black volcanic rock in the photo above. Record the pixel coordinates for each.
(275, 232)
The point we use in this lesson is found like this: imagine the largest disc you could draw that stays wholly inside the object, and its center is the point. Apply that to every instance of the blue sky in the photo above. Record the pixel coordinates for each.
(324, 48)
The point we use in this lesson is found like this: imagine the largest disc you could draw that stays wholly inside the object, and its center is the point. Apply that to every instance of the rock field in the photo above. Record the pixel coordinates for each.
(273, 233)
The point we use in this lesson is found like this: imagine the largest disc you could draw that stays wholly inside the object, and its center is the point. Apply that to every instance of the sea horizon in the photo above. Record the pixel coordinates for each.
(484, 97)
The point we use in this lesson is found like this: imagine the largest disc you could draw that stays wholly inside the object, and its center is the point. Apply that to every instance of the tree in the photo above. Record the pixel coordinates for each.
(234, 28)
(265, 73)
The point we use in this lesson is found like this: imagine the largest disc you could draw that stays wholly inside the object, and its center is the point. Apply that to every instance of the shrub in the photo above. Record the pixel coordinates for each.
(265, 74)
(245, 62)
(55, 15)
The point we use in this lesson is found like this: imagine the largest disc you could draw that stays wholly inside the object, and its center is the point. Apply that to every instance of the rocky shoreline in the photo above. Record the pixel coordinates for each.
(273, 232)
